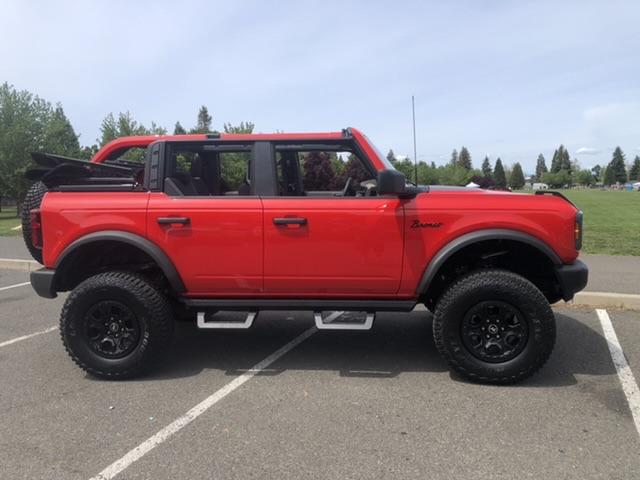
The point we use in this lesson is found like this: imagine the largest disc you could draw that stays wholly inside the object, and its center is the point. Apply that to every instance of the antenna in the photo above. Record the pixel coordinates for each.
(415, 156)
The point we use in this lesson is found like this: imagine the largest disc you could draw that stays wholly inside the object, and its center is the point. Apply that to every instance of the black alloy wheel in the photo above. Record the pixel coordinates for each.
(111, 329)
(494, 331)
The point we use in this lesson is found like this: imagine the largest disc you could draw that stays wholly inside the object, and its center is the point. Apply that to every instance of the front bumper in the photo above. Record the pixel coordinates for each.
(42, 282)
(572, 278)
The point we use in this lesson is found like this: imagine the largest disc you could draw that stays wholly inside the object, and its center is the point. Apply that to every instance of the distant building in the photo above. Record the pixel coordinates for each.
(540, 186)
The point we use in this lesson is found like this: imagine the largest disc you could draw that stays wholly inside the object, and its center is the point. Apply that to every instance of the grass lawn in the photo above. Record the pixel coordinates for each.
(611, 220)
(8, 220)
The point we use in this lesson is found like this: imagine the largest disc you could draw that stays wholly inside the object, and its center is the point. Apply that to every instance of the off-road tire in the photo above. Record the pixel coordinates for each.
(32, 200)
(499, 286)
(150, 308)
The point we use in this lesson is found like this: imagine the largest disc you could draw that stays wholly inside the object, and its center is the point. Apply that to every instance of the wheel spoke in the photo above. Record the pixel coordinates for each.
(112, 329)
(494, 331)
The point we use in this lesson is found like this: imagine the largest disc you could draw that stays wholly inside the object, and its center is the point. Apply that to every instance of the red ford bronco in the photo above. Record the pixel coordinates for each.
(320, 222)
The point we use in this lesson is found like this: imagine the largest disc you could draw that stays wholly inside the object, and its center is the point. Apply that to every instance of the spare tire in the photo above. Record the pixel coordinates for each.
(31, 201)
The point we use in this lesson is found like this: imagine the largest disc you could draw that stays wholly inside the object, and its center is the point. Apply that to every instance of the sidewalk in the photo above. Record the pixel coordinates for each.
(607, 273)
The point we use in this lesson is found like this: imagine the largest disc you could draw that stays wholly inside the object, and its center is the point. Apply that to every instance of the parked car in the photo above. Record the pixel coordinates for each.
(246, 222)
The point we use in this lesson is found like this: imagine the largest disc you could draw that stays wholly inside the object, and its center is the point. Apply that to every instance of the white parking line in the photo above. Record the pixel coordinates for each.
(628, 381)
(15, 286)
(26, 337)
(119, 465)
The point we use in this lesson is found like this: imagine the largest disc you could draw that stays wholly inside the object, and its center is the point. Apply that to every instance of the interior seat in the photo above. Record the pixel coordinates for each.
(197, 177)
(180, 184)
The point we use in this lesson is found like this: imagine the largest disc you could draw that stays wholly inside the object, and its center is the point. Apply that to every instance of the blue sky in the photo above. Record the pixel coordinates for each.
(508, 79)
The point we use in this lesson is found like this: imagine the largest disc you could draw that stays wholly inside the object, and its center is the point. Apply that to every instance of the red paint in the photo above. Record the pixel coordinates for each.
(349, 247)
(220, 250)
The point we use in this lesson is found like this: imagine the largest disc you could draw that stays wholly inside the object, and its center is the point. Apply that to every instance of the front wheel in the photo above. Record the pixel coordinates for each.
(115, 325)
(494, 326)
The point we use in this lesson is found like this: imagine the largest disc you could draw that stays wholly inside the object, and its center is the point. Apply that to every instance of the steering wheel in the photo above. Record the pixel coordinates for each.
(347, 187)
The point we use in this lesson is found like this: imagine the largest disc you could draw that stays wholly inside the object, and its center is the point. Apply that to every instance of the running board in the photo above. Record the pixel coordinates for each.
(317, 305)
(203, 323)
(329, 324)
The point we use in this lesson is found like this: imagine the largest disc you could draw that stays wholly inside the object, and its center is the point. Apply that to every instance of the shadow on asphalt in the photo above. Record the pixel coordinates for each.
(398, 343)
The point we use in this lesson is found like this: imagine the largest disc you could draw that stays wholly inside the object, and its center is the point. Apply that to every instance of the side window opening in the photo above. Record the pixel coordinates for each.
(321, 173)
(204, 170)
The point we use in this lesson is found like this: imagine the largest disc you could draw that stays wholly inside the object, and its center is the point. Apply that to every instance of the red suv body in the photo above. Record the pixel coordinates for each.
(214, 236)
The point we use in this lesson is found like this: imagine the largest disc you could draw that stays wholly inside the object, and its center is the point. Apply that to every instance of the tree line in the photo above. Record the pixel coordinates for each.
(564, 172)
(459, 171)
(29, 123)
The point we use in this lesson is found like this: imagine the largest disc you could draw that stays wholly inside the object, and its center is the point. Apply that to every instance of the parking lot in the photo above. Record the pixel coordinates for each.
(376, 404)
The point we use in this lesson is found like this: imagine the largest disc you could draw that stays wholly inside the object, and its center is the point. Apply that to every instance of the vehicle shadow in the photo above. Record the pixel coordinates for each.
(398, 343)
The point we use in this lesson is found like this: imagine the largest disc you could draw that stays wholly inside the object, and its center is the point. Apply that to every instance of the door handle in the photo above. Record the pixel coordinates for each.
(173, 220)
(289, 221)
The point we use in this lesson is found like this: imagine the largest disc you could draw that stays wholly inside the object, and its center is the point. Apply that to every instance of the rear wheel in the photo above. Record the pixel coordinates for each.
(494, 326)
(115, 325)
(32, 200)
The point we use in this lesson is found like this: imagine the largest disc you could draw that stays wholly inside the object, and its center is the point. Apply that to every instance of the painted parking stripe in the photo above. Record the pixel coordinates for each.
(26, 337)
(145, 447)
(628, 381)
(15, 286)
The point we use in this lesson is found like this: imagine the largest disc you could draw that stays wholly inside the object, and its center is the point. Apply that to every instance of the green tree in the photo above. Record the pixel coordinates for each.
(634, 172)
(157, 129)
(179, 129)
(391, 156)
(453, 175)
(87, 152)
(454, 157)
(585, 178)
(597, 171)
(60, 136)
(464, 159)
(203, 123)
(486, 167)
(427, 175)
(29, 124)
(609, 176)
(318, 172)
(124, 126)
(541, 167)
(499, 175)
(242, 127)
(617, 166)
(337, 164)
(516, 179)
(406, 167)
(560, 160)
(558, 179)
(354, 169)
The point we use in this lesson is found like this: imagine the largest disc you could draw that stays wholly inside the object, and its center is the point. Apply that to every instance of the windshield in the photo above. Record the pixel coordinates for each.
(383, 159)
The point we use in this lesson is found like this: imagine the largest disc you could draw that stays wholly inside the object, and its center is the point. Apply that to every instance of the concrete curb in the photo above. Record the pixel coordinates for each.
(607, 299)
(24, 265)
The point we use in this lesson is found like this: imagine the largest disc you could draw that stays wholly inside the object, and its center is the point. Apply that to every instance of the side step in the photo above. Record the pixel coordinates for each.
(204, 323)
(329, 322)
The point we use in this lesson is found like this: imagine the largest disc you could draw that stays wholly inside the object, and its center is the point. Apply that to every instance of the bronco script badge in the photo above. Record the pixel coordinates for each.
(418, 224)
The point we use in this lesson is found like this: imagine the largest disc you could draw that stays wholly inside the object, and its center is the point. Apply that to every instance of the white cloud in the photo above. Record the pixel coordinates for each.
(588, 151)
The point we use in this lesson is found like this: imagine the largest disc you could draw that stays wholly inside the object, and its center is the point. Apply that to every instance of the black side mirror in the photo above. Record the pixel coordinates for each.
(393, 182)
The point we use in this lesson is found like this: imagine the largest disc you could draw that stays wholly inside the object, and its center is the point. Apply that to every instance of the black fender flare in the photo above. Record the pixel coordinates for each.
(467, 239)
(150, 248)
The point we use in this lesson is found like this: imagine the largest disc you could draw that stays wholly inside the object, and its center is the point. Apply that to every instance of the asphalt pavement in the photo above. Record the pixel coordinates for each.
(339, 405)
